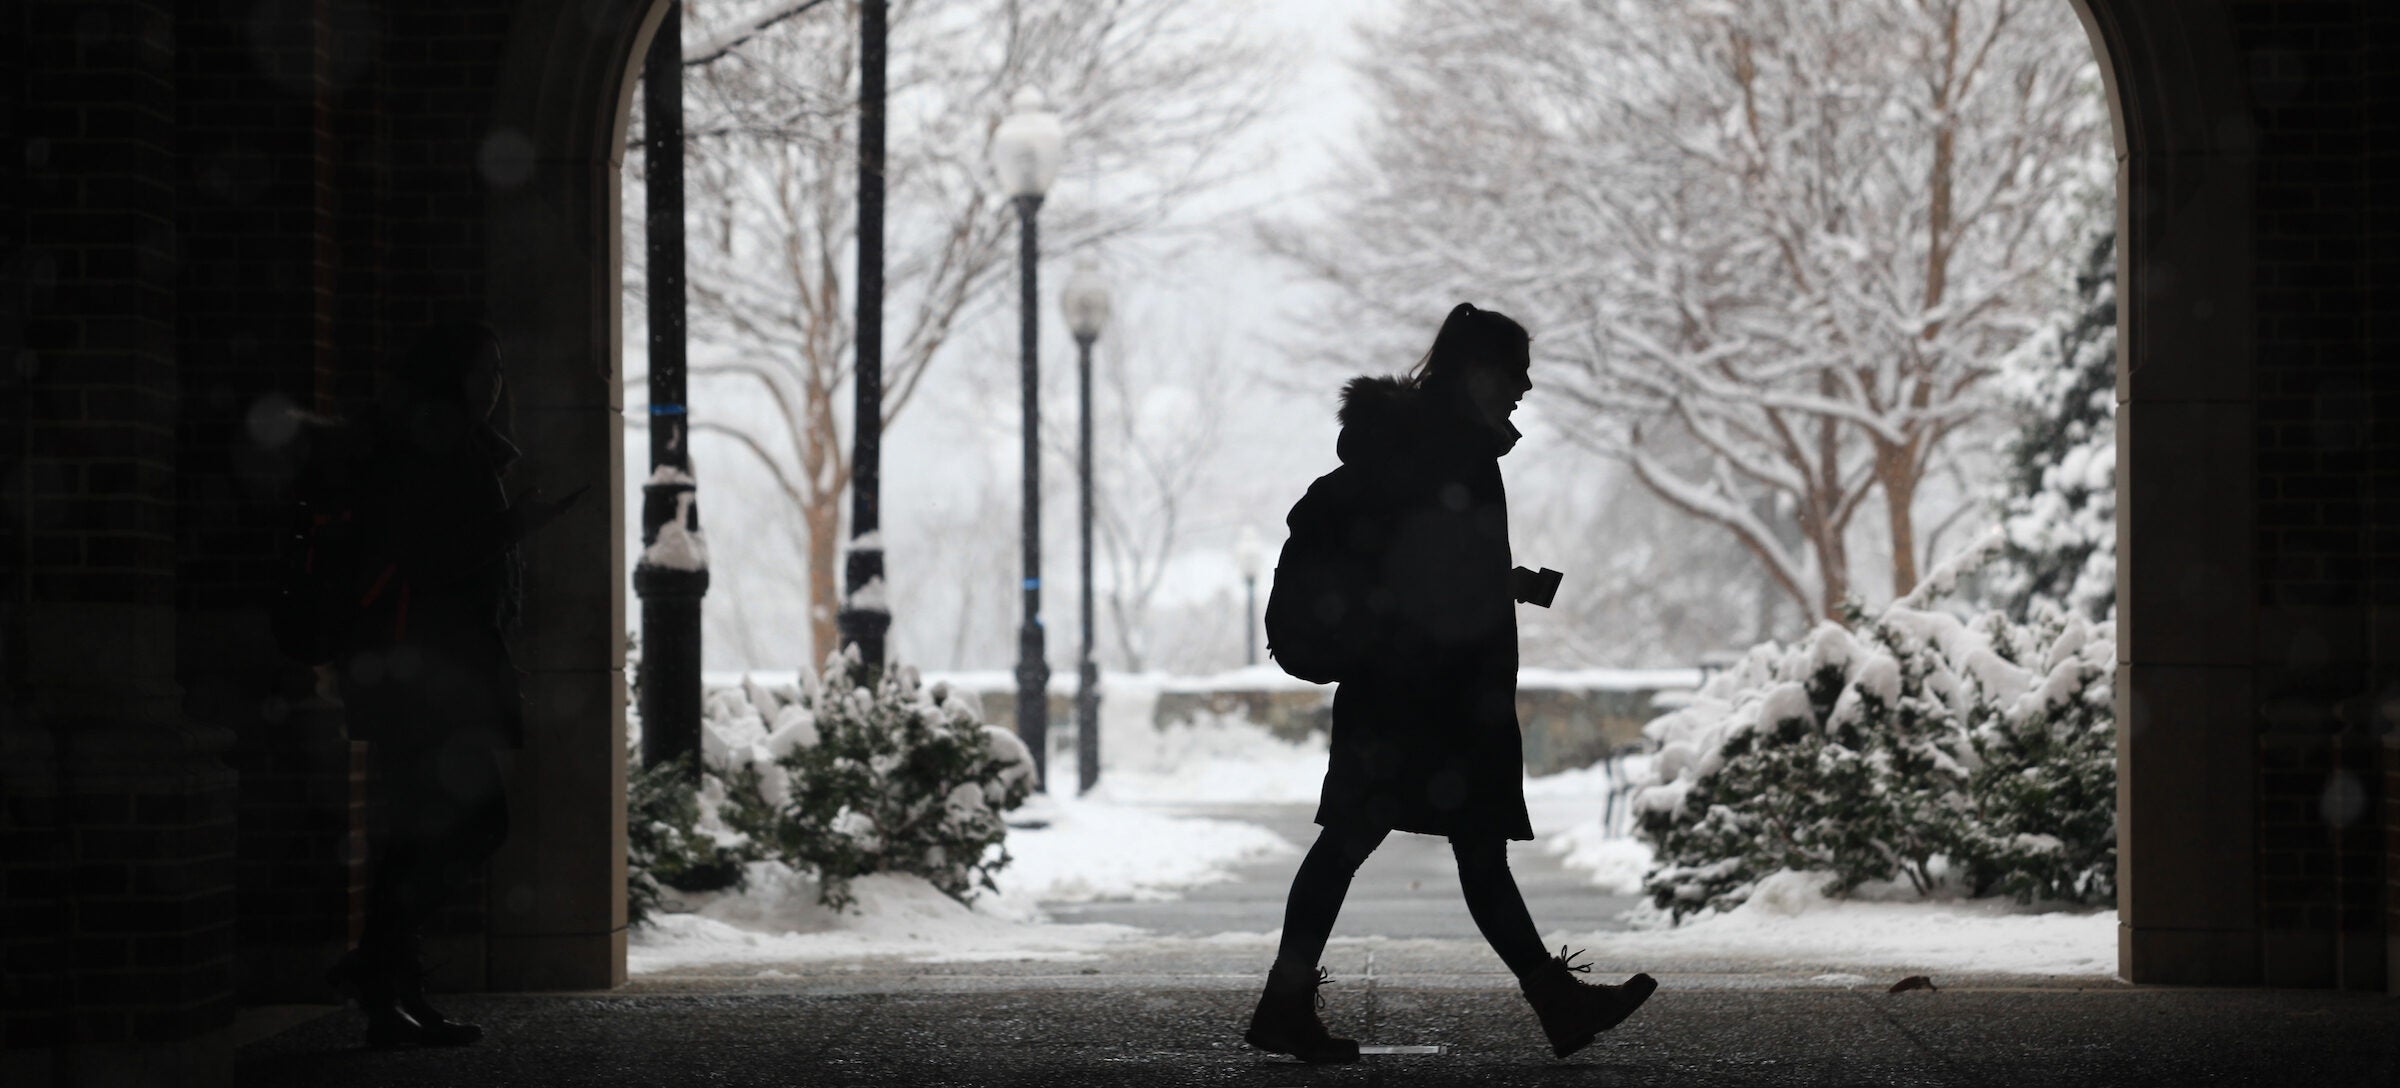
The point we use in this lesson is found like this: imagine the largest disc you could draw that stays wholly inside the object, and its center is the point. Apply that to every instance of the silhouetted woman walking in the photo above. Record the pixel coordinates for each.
(1425, 731)
(429, 680)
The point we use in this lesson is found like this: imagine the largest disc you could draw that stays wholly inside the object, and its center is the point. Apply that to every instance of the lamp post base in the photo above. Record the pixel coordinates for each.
(1087, 728)
(1033, 700)
(670, 677)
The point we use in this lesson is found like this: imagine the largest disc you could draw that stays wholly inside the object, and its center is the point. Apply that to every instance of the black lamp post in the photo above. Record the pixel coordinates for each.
(672, 578)
(1085, 303)
(865, 615)
(1025, 151)
(1251, 557)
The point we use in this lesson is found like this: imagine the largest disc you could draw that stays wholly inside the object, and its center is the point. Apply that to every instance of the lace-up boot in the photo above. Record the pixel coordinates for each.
(368, 982)
(1574, 1012)
(1286, 1021)
(435, 1028)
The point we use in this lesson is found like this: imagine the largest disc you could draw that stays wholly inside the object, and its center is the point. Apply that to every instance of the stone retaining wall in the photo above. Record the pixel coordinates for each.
(1565, 726)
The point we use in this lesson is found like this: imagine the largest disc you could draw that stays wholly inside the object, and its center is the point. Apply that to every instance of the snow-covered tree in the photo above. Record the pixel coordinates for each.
(2058, 502)
(1149, 94)
(1776, 248)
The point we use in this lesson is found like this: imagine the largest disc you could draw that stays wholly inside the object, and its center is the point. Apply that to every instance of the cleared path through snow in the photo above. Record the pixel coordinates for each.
(1408, 889)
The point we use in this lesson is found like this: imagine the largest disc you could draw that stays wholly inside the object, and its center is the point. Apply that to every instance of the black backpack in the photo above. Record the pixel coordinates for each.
(1329, 613)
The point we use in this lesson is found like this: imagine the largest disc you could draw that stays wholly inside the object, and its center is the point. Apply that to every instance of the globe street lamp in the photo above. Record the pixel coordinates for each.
(1251, 557)
(1084, 300)
(1025, 151)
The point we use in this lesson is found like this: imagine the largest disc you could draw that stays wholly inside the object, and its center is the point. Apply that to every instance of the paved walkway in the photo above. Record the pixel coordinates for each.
(1409, 970)
(1161, 1033)
(1408, 889)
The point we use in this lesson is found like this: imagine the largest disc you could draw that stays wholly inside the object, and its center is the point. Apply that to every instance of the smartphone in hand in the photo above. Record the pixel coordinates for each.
(1535, 587)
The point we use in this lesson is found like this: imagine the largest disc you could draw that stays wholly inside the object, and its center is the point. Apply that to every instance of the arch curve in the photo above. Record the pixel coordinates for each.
(2184, 139)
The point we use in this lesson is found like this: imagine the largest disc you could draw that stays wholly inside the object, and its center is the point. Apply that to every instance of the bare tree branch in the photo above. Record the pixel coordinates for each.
(1151, 95)
(724, 40)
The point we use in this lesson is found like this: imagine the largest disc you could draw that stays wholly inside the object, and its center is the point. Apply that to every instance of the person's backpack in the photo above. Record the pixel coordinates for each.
(1328, 613)
(328, 583)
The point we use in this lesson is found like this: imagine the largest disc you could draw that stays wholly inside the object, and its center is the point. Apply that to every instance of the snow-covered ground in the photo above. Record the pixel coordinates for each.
(1087, 850)
(1217, 760)
(777, 920)
(1082, 853)
(1788, 924)
(1099, 849)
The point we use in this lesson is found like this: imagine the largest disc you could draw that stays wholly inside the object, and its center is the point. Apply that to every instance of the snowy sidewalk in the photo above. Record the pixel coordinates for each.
(768, 989)
(1167, 1036)
(1108, 888)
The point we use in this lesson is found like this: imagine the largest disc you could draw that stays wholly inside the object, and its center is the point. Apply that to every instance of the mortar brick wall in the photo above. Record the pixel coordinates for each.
(260, 277)
(2320, 847)
(118, 817)
(438, 63)
(2382, 235)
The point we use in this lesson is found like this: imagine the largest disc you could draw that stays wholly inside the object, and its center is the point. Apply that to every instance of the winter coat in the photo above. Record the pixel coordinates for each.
(1426, 739)
(431, 666)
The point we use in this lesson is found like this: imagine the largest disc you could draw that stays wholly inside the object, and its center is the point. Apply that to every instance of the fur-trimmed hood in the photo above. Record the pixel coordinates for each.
(1382, 416)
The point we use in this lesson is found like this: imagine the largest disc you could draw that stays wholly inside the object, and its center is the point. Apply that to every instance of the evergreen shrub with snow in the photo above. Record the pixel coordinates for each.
(668, 845)
(1913, 745)
(665, 845)
(842, 778)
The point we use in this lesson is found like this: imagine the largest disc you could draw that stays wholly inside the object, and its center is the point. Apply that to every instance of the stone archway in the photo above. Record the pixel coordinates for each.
(2187, 513)
(2186, 748)
(557, 918)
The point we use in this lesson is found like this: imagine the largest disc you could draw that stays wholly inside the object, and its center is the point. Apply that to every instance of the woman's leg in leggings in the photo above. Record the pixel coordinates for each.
(1498, 908)
(1317, 892)
(448, 811)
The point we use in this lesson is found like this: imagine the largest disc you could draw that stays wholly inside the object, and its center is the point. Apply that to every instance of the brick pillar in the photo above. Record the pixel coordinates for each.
(258, 300)
(2391, 855)
(2319, 844)
(2381, 137)
(116, 845)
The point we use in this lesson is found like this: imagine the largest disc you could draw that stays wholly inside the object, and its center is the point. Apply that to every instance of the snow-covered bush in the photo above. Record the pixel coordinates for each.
(844, 779)
(665, 844)
(1909, 745)
(2044, 788)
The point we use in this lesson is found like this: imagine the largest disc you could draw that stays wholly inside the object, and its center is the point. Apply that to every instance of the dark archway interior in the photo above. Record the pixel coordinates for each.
(209, 208)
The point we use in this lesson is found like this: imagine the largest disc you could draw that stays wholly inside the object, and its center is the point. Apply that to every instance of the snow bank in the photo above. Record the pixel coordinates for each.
(1098, 849)
(1213, 758)
(1088, 850)
(1614, 864)
(1218, 760)
(1788, 922)
(778, 919)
